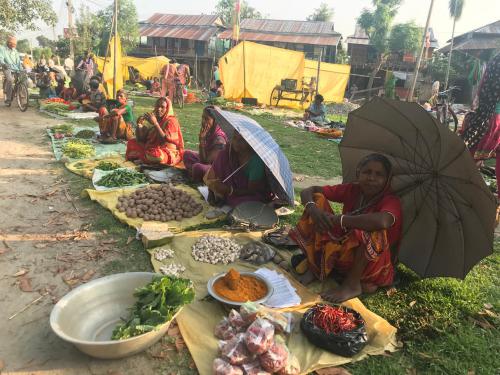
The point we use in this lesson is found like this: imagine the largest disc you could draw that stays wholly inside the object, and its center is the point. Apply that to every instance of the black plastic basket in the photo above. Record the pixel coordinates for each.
(345, 344)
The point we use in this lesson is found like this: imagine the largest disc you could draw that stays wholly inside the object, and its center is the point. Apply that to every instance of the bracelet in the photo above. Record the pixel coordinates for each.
(231, 191)
(308, 203)
(342, 222)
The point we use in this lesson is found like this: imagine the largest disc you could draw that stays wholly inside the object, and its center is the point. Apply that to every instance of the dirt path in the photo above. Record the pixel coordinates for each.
(45, 248)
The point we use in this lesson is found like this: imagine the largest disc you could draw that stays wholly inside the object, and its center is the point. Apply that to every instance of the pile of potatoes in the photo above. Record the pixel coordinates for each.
(159, 203)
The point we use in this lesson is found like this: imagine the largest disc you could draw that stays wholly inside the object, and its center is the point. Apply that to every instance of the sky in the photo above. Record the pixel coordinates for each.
(476, 13)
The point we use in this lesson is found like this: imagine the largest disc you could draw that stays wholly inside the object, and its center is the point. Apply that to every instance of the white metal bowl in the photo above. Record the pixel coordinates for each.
(211, 291)
(87, 315)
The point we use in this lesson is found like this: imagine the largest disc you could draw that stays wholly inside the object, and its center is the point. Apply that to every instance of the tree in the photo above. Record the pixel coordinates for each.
(405, 37)
(323, 13)
(455, 7)
(89, 29)
(128, 24)
(25, 14)
(44, 42)
(62, 47)
(225, 9)
(377, 25)
(23, 46)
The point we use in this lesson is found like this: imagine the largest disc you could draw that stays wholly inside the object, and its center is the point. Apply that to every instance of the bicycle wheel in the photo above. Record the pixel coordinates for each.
(455, 119)
(22, 97)
(274, 99)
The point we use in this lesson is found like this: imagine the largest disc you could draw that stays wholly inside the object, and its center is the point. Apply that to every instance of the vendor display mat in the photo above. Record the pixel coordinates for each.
(101, 150)
(109, 199)
(85, 167)
(197, 320)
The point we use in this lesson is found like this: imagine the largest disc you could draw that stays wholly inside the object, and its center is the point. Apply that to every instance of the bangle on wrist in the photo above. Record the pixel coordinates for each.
(308, 203)
(231, 191)
(342, 222)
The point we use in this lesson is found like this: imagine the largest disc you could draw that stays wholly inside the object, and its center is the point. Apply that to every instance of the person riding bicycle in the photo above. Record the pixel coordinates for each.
(10, 62)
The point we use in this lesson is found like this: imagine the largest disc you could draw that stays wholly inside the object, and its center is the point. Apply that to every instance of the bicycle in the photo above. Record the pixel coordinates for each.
(19, 91)
(179, 94)
(444, 111)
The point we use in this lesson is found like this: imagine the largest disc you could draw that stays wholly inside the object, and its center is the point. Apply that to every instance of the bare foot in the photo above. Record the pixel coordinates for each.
(346, 291)
(368, 288)
(307, 278)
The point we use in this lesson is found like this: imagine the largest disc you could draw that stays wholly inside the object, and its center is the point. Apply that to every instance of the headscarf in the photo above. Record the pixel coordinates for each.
(489, 96)
(170, 108)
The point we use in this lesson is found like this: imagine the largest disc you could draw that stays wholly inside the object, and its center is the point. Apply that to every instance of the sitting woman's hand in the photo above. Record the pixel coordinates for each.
(323, 220)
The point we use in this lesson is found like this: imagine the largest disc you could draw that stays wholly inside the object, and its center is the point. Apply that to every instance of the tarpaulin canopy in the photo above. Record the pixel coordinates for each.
(147, 67)
(253, 70)
(113, 82)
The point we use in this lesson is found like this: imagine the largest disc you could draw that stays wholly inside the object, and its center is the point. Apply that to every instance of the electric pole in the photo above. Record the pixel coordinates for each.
(70, 29)
(419, 60)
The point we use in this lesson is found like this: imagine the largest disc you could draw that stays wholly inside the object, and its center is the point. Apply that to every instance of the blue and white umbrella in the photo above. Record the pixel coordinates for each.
(278, 170)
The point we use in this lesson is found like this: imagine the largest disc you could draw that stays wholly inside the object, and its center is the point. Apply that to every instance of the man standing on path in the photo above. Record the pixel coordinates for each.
(10, 62)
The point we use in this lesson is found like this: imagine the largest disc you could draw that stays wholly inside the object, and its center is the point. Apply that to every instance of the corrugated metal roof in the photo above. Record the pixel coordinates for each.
(184, 20)
(284, 38)
(288, 27)
(492, 28)
(203, 33)
(476, 43)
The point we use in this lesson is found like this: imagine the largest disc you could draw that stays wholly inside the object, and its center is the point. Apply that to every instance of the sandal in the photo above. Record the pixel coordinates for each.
(279, 237)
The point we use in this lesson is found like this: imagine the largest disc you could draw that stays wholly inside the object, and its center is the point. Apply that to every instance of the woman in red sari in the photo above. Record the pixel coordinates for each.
(160, 141)
(356, 244)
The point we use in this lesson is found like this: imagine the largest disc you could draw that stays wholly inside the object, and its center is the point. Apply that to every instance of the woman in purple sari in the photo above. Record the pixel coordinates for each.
(212, 141)
(237, 175)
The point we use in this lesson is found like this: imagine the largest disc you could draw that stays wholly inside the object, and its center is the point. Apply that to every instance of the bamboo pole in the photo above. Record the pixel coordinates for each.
(115, 48)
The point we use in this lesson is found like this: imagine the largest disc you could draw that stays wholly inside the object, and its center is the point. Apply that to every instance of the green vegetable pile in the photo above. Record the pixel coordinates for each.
(58, 108)
(122, 177)
(157, 303)
(78, 149)
(85, 133)
(107, 165)
(66, 129)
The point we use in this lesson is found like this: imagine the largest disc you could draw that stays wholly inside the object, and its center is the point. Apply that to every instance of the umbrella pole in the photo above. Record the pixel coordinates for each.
(115, 32)
(244, 73)
(318, 70)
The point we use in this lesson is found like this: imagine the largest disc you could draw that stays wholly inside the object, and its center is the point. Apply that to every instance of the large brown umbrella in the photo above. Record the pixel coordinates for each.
(448, 211)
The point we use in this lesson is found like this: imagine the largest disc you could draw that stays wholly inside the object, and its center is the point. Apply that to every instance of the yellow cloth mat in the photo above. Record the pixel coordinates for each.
(109, 199)
(197, 320)
(85, 167)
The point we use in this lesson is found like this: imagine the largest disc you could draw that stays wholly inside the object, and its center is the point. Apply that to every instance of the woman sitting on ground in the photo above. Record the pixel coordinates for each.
(237, 175)
(95, 99)
(117, 123)
(316, 111)
(217, 91)
(212, 140)
(356, 244)
(158, 137)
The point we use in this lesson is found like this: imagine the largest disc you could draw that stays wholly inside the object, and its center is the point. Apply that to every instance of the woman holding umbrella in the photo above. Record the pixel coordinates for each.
(237, 175)
(356, 244)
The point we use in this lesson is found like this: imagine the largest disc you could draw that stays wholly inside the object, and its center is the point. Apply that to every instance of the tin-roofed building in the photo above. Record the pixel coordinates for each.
(310, 37)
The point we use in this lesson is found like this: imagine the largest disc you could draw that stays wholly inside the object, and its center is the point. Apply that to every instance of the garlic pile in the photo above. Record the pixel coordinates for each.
(163, 253)
(214, 249)
(172, 269)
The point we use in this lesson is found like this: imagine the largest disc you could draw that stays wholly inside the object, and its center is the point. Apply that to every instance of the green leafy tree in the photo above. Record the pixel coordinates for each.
(225, 10)
(38, 52)
(25, 14)
(323, 13)
(43, 42)
(89, 29)
(128, 24)
(23, 46)
(62, 47)
(405, 38)
(377, 25)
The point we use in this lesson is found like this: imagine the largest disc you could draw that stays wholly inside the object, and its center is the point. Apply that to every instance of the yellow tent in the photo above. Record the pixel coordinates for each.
(108, 74)
(333, 79)
(260, 68)
(147, 67)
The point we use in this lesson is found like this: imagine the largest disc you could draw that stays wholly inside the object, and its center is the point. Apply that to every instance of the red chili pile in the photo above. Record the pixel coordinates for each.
(332, 319)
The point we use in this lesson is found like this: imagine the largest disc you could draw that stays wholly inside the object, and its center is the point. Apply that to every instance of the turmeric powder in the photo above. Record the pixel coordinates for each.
(247, 288)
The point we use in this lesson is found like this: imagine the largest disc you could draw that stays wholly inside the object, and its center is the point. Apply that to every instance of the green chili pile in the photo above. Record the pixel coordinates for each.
(157, 303)
(107, 165)
(122, 177)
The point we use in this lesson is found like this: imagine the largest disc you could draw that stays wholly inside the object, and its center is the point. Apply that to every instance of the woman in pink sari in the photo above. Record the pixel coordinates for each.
(168, 75)
(212, 141)
(159, 142)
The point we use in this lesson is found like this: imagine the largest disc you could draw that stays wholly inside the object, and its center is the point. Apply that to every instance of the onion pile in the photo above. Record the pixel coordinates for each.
(159, 203)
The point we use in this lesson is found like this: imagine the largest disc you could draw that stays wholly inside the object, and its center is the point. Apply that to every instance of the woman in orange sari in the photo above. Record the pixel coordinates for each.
(356, 244)
(159, 137)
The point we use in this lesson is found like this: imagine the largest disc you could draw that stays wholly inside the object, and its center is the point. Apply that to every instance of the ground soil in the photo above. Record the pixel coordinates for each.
(46, 248)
